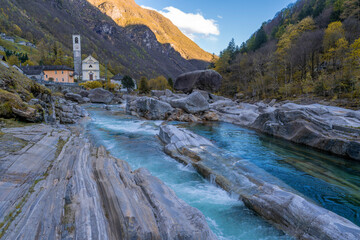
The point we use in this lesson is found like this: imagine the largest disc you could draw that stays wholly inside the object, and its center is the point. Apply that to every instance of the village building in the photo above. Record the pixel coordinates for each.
(58, 74)
(32, 72)
(90, 69)
(117, 79)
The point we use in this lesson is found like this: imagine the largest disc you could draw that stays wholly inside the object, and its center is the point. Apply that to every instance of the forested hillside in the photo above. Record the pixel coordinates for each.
(311, 47)
(132, 50)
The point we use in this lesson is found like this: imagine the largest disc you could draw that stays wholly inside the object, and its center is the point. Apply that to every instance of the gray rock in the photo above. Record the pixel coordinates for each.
(34, 101)
(100, 95)
(74, 97)
(84, 93)
(193, 103)
(266, 195)
(65, 91)
(86, 100)
(117, 100)
(307, 127)
(29, 114)
(168, 93)
(208, 80)
(272, 103)
(221, 104)
(216, 98)
(204, 93)
(157, 93)
(150, 108)
(62, 186)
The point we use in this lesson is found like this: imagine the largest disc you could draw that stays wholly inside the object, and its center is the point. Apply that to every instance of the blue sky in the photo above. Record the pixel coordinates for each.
(212, 24)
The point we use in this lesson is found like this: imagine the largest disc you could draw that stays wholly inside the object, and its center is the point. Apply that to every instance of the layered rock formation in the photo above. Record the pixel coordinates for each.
(266, 195)
(327, 128)
(58, 186)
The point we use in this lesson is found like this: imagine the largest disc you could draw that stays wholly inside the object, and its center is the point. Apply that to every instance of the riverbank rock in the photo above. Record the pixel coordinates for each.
(74, 97)
(67, 112)
(84, 93)
(61, 187)
(315, 126)
(29, 114)
(157, 93)
(208, 80)
(100, 95)
(149, 108)
(193, 103)
(266, 195)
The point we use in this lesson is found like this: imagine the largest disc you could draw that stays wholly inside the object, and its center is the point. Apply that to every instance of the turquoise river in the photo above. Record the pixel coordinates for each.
(330, 181)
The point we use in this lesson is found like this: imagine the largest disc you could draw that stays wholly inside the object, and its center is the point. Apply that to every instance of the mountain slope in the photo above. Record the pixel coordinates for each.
(130, 50)
(310, 48)
(127, 13)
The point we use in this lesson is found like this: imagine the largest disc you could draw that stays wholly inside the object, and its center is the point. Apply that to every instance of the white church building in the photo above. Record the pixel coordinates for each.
(90, 69)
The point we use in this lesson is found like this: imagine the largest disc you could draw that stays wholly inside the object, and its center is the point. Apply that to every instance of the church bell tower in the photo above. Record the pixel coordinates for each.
(77, 55)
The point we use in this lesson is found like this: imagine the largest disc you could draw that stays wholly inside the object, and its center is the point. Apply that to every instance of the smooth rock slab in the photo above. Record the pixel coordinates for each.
(87, 194)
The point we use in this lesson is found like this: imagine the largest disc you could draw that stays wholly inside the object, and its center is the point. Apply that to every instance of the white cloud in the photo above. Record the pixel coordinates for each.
(192, 25)
(150, 8)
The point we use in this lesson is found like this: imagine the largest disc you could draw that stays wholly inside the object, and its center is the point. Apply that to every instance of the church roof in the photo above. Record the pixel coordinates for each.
(90, 59)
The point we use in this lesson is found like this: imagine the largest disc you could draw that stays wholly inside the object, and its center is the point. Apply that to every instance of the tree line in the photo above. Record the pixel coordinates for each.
(311, 47)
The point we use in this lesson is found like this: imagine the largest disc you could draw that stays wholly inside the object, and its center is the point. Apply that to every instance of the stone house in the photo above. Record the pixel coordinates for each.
(32, 72)
(90, 69)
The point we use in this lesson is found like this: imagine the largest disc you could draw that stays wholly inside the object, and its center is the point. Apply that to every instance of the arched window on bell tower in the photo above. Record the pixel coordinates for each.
(76, 40)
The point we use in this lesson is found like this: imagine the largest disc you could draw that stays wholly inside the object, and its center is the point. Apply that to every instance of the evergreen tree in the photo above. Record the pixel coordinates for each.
(260, 39)
(171, 83)
(128, 83)
(143, 86)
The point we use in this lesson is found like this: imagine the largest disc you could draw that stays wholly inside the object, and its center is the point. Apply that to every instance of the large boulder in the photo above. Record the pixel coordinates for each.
(193, 103)
(74, 97)
(208, 80)
(84, 93)
(99, 95)
(150, 108)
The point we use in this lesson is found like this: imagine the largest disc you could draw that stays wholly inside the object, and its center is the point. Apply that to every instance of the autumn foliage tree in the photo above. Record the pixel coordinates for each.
(310, 48)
